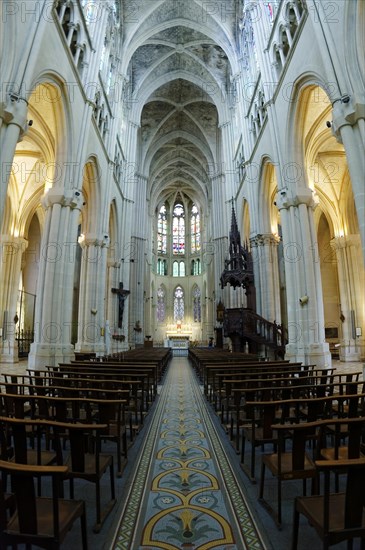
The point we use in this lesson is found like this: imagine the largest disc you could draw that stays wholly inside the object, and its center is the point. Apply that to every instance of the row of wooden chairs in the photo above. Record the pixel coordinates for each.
(234, 411)
(298, 462)
(54, 423)
(74, 446)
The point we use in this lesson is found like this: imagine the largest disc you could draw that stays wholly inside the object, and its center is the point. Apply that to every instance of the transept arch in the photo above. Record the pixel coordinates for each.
(323, 183)
(37, 167)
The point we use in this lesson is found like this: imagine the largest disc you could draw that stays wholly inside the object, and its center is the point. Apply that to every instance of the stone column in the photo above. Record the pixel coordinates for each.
(219, 248)
(53, 312)
(304, 287)
(266, 272)
(351, 295)
(348, 128)
(228, 169)
(112, 307)
(92, 293)
(14, 123)
(11, 252)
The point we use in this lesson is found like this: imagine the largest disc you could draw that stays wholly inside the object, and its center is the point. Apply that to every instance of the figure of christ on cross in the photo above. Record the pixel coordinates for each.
(122, 296)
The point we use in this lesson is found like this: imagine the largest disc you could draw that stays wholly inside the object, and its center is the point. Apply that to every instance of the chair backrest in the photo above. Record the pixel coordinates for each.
(78, 434)
(301, 434)
(354, 495)
(352, 428)
(22, 483)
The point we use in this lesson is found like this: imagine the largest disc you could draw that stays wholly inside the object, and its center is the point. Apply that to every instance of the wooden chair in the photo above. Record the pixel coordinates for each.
(111, 413)
(347, 437)
(83, 456)
(38, 521)
(336, 517)
(88, 463)
(14, 436)
(289, 465)
(258, 430)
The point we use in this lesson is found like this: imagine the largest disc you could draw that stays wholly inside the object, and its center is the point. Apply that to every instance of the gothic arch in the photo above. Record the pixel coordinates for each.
(336, 242)
(355, 44)
(91, 221)
(246, 222)
(113, 225)
(50, 90)
(266, 210)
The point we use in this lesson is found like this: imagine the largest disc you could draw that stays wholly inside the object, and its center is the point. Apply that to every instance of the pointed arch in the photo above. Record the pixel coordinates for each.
(196, 295)
(179, 304)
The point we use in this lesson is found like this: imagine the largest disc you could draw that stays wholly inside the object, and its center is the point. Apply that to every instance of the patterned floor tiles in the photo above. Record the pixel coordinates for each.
(184, 494)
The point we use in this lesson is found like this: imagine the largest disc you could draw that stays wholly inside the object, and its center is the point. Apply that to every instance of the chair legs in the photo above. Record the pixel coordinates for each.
(84, 530)
(100, 515)
(294, 543)
(275, 514)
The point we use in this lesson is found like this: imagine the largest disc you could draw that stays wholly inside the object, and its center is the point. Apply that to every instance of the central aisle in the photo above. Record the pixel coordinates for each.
(184, 493)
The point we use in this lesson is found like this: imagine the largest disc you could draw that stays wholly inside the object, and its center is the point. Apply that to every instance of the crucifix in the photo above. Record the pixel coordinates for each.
(122, 296)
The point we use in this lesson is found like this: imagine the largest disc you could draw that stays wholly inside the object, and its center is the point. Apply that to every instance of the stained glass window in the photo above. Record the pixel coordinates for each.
(249, 53)
(270, 8)
(195, 229)
(196, 304)
(162, 231)
(178, 304)
(161, 267)
(196, 267)
(178, 230)
(160, 305)
(178, 269)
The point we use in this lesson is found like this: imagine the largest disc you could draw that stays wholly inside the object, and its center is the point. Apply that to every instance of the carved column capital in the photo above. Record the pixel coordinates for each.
(69, 197)
(114, 264)
(91, 239)
(342, 242)
(285, 199)
(264, 239)
(347, 111)
(14, 111)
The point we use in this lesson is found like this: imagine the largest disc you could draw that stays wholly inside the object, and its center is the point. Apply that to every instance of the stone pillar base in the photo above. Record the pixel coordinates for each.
(42, 355)
(97, 347)
(311, 354)
(9, 352)
(350, 352)
(119, 346)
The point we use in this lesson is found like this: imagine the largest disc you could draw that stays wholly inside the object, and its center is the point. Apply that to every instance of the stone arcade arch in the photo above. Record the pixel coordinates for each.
(37, 167)
(94, 243)
(336, 222)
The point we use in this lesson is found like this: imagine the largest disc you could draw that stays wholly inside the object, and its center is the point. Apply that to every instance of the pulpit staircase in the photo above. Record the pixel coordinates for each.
(243, 326)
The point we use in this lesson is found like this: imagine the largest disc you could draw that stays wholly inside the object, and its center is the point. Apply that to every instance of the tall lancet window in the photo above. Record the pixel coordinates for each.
(249, 53)
(197, 304)
(195, 229)
(161, 304)
(270, 9)
(162, 231)
(178, 304)
(178, 229)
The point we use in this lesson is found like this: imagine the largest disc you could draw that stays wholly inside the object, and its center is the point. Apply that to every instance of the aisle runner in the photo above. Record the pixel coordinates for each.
(184, 493)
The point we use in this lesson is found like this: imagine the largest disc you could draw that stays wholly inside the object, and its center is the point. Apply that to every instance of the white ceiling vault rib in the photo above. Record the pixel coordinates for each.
(179, 57)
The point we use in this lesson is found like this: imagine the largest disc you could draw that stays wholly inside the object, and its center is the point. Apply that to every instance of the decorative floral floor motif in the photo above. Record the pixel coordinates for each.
(184, 494)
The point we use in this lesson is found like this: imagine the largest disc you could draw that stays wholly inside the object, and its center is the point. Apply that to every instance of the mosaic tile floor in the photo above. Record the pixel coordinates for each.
(185, 494)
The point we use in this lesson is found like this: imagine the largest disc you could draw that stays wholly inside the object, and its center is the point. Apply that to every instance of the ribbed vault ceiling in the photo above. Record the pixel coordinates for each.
(179, 59)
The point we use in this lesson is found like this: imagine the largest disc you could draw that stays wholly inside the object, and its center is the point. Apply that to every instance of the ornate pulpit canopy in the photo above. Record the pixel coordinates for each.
(238, 270)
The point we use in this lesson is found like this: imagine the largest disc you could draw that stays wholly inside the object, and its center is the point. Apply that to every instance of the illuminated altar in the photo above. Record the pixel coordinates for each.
(178, 336)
